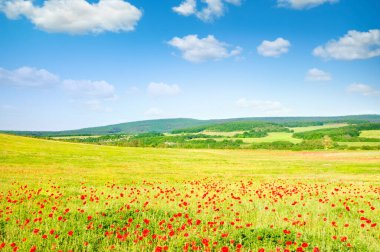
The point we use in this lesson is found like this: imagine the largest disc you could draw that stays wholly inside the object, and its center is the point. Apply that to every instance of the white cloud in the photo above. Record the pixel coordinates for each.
(162, 89)
(89, 93)
(154, 112)
(196, 49)
(354, 45)
(303, 4)
(212, 9)
(273, 48)
(363, 89)
(75, 16)
(186, 8)
(27, 76)
(263, 107)
(89, 89)
(316, 74)
(33, 77)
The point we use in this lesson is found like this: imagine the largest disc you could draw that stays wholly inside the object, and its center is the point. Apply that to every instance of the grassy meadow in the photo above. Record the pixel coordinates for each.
(325, 126)
(371, 134)
(247, 135)
(283, 136)
(58, 196)
(272, 137)
(359, 144)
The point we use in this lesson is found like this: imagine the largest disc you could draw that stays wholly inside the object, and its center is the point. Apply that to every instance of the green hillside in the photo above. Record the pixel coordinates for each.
(161, 125)
(168, 125)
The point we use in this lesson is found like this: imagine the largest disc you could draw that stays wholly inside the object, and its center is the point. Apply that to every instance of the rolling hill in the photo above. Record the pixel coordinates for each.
(168, 125)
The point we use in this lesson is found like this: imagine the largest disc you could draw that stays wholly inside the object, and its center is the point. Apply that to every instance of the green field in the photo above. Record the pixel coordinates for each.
(276, 136)
(22, 157)
(226, 134)
(370, 133)
(246, 134)
(272, 137)
(325, 126)
(80, 197)
(73, 137)
(359, 144)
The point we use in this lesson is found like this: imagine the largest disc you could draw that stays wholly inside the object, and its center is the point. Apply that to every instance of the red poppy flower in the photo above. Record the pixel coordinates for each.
(224, 249)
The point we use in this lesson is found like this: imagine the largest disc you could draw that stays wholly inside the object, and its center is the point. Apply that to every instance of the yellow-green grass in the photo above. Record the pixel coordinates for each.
(325, 126)
(74, 137)
(24, 157)
(251, 197)
(277, 136)
(210, 133)
(359, 144)
(226, 134)
(370, 133)
(272, 137)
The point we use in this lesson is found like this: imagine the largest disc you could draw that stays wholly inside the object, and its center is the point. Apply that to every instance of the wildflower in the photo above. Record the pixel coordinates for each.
(224, 249)
(286, 231)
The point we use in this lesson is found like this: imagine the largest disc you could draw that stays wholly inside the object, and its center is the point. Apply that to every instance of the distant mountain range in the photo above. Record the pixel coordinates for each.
(168, 125)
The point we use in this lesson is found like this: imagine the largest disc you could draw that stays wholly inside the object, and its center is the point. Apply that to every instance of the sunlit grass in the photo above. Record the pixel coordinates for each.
(370, 133)
(272, 137)
(359, 144)
(325, 126)
(145, 199)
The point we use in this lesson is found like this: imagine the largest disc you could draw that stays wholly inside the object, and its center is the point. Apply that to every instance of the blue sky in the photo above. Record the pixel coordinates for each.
(73, 63)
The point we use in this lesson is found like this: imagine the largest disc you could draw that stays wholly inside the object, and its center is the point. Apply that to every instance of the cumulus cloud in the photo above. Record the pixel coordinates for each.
(263, 107)
(186, 8)
(27, 76)
(363, 89)
(75, 16)
(93, 95)
(90, 89)
(273, 48)
(303, 4)
(353, 46)
(154, 112)
(316, 74)
(212, 9)
(87, 92)
(196, 49)
(162, 89)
